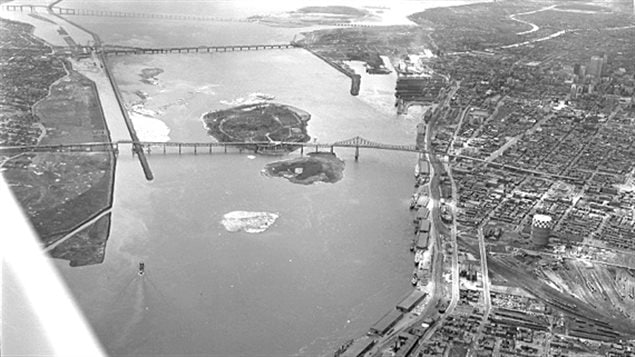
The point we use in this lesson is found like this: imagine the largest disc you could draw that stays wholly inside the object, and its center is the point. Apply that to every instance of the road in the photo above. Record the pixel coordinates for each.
(437, 248)
(78, 229)
(487, 299)
(455, 247)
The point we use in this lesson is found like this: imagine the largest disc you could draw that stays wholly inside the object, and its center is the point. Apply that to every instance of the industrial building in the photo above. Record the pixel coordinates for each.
(389, 320)
(411, 301)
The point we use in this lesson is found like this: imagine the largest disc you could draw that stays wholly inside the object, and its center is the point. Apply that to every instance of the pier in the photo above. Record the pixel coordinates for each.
(356, 79)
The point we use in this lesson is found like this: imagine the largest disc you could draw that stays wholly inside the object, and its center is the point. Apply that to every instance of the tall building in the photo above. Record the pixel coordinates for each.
(541, 230)
(595, 66)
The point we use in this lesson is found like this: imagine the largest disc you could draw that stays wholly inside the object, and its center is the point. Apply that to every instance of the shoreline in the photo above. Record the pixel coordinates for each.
(339, 68)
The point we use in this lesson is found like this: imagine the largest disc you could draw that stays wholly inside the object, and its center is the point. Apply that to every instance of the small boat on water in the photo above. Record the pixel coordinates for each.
(142, 268)
(413, 200)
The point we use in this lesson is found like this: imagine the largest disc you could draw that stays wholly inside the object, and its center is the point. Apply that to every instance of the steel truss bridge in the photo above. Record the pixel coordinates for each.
(195, 148)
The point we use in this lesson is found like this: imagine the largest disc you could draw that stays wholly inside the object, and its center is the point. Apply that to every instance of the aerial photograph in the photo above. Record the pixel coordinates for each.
(299, 178)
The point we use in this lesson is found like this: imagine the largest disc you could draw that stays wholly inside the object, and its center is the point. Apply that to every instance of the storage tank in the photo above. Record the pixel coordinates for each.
(541, 229)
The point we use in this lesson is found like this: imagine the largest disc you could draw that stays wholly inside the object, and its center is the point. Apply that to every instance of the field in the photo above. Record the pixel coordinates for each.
(59, 191)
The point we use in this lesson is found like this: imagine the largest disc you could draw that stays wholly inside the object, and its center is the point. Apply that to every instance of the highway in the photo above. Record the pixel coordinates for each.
(487, 299)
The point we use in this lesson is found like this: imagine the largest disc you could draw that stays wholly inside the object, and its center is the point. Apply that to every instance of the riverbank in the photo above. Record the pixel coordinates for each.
(58, 191)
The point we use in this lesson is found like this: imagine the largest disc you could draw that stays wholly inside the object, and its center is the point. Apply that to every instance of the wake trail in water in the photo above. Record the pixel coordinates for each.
(123, 291)
(147, 280)
(136, 315)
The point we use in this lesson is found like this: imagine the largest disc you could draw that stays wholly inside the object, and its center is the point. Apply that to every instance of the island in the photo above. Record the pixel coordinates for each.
(264, 124)
(316, 15)
(249, 222)
(316, 167)
(149, 75)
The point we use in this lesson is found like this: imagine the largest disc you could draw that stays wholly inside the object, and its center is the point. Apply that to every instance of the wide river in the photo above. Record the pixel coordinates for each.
(333, 263)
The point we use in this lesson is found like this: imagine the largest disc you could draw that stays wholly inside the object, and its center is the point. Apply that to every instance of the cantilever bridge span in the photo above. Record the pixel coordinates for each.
(201, 147)
(172, 147)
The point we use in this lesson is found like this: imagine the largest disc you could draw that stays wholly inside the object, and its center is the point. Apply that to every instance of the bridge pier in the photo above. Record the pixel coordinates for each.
(302, 150)
(195, 146)
(332, 152)
(180, 149)
(164, 145)
(357, 153)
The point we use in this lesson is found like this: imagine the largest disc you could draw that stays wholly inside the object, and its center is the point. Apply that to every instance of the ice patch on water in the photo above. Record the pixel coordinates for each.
(206, 89)
(252, 98)
(149, 128)
(250, 222)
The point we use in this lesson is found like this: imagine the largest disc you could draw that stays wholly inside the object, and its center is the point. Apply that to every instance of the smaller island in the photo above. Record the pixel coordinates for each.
(264, 124)
(249, 222)
(317, 167)
(149, 75)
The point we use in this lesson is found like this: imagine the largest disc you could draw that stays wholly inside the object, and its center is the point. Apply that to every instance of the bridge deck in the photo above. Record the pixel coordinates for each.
(353, 143)
(198, 49)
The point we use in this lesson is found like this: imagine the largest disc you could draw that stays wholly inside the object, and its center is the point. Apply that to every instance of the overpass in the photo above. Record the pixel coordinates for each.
(121, 51)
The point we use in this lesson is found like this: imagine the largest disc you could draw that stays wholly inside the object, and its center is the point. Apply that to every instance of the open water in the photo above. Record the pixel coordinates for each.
(331, 265)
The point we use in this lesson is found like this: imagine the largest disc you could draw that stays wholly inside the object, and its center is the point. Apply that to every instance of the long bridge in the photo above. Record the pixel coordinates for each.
(279, 147)
(119, 51)
(170, 147)
(107, 13)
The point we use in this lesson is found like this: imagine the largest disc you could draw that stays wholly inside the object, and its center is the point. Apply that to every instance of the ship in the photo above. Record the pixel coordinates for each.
(413, 200)
(418, 256)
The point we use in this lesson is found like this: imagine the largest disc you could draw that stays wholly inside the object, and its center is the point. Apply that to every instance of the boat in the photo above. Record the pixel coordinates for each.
(418, 256)
(413, 200)
(142, 268)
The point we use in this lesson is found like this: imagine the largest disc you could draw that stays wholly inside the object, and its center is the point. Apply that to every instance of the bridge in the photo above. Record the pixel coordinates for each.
(143, 15)
(171, 147)
(105, 13)
(120, 51)
(279, 147)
